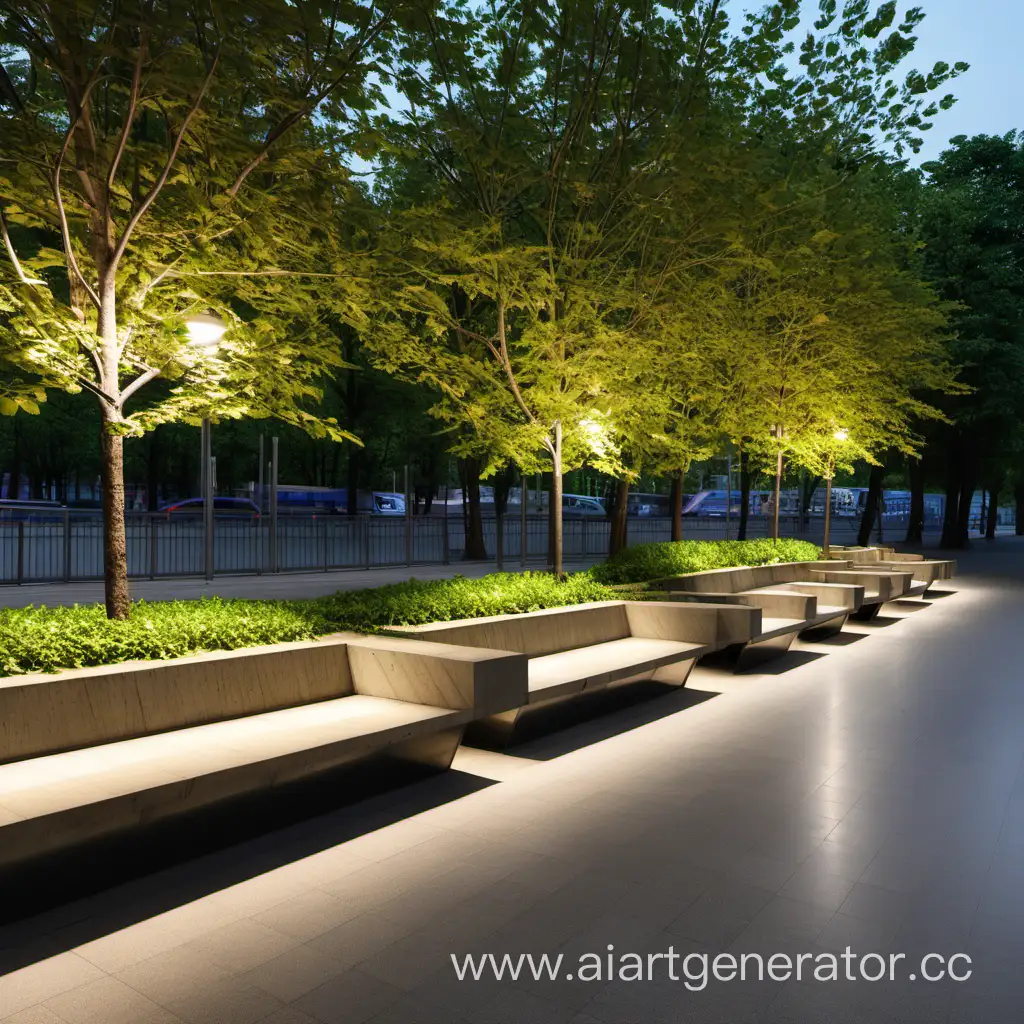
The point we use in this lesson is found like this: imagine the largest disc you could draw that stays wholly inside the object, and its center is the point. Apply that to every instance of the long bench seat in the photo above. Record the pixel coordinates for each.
(96, 753)
(793, 601)
(575, 652)
(924, 569)
(837, 590)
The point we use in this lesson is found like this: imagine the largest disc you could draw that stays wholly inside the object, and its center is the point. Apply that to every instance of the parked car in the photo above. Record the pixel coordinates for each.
(18, 510)
(579, 505)
(223, 508)
(376, 503)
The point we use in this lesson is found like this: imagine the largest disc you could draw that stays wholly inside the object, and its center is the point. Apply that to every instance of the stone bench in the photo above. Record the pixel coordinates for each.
(576, 651)
(926, 570)
(95, 753)
(793, 599)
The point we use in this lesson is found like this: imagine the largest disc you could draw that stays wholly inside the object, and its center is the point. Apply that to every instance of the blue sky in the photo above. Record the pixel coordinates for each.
(988, 35)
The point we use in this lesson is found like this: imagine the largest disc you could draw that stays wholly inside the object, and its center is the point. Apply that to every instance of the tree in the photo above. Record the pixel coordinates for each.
(971, 219)
(172, 155)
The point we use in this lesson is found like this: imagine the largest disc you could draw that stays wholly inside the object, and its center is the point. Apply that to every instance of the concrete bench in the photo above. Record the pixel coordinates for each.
(926, 570)
(576, 651)
(98, 752)
(792, 599)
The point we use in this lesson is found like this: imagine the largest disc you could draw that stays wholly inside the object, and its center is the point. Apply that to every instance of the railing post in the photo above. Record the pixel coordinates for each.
(499, 535)
(365, 520)
(152, 547)
(208, 487)
(67, 545)
(323, 530)
(523, 531)
(408, 519)
(21, 551)
(446, 549)
(273, 504)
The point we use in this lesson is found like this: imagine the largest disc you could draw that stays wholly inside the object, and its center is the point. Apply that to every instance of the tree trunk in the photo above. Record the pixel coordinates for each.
(867, 519)
(676, 505)
(744, 495)
(555, 511)
(469, 469)
(619, 518)
(778, 497)
(963, 519)
(915, 523)
(352, 481)
(1018, 496)
(115, 548)
(153, 474)
(993, 515)
(14, 484)
(809, 484)
(950, 515)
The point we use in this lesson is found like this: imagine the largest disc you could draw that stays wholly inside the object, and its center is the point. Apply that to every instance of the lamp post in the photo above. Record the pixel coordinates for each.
(204, 333)
(839, 436)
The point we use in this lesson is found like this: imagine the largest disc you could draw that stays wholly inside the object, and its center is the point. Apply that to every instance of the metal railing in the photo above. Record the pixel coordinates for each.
(67, 545)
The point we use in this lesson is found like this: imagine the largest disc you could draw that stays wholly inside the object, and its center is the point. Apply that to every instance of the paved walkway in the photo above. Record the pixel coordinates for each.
(270, 586)
(867, 793)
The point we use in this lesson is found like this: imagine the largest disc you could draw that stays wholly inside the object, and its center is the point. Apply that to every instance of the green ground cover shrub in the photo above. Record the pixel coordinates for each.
(671, 558)
(41, 639)
(416, 601)
(47, 639)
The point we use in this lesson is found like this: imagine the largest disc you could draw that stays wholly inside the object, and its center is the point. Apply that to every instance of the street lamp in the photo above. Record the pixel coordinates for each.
(204, 333)
(839, 436)
(205, 330)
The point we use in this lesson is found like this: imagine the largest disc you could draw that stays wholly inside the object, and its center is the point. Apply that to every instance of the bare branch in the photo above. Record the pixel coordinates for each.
(9, 245)
(9, 92)
(62, 216)
(94, 388)
(157, 185)
(129, 117)
(248, 273)
(140, 382)
(506, 363)
(292, 119)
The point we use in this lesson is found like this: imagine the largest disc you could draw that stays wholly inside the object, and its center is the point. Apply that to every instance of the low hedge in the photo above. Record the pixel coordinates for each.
(672, 558)
(40, 639)
(416, 601)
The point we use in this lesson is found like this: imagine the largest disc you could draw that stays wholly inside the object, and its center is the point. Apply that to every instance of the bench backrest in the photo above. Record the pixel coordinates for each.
(47, 713)
(712, 581)
(44, 714)
(535, 633)
(796, 572)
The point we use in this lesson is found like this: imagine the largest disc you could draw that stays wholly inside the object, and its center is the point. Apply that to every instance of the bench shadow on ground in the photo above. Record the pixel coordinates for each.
(792, 659)
(108, 886)
(844, 639)
(608, 713)
(880, 622)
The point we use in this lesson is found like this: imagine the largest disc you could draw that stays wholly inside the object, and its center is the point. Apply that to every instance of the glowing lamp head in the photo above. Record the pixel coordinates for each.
(841, 435)
(205, 330)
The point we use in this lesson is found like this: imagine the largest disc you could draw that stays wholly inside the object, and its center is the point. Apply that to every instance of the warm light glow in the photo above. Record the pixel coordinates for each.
(841, 435)
(205, 330)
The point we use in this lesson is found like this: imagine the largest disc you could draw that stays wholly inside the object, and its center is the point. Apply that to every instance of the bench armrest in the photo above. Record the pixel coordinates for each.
(841, 595)
(696, 618)
(774, 601)
(439, 675)
(779, 602)
(876, 585)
